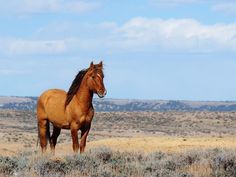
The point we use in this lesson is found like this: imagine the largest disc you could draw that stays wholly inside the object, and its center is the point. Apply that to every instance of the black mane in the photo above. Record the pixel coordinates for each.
(75, 86)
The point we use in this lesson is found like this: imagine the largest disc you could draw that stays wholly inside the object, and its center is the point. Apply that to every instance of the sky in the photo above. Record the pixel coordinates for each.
(151, 49)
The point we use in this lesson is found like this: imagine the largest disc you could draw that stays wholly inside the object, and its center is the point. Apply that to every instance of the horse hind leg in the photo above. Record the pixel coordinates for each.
(53, 138)
(43, 125)
(44, 133)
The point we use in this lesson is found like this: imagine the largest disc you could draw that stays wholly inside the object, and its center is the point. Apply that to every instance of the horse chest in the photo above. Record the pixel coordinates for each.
(85, 119)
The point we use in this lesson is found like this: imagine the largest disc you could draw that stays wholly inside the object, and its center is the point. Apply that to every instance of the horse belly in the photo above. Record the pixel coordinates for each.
(61, 125)
(59, 119)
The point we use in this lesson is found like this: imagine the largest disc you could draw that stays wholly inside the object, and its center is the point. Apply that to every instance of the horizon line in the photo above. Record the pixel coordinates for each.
(138, 99)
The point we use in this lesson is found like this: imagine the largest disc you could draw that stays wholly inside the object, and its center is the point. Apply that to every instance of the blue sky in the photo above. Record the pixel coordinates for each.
(152, 49)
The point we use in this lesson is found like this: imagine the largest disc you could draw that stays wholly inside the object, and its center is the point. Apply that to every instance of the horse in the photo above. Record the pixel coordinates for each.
(70, 110)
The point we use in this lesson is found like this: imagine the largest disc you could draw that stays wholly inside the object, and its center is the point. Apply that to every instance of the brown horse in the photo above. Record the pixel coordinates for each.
(72, 110)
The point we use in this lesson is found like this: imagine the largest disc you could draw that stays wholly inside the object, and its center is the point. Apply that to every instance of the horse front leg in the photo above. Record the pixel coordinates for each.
(74, 135)
(84, 134)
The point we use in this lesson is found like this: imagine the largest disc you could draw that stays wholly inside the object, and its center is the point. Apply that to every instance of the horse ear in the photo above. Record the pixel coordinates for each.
(100, 64)
(91, 65)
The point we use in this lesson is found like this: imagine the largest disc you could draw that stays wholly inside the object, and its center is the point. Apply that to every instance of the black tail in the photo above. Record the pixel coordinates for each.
(48, 131)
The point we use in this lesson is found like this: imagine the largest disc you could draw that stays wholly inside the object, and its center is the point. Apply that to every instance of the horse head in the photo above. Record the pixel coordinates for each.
(95, 78)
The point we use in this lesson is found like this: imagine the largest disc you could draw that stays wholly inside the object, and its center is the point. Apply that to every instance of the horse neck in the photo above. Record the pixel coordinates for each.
(84, 95)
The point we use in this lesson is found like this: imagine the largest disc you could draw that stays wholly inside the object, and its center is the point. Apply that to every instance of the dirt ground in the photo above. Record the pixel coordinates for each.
(128, 131)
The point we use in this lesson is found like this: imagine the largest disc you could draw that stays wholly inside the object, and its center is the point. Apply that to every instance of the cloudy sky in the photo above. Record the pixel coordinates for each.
(152, 49)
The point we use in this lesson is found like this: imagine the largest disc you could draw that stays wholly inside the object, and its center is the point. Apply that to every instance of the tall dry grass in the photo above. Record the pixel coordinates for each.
(107, 163)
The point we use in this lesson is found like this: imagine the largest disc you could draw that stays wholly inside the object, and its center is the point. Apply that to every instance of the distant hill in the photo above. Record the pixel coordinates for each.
(29, 103)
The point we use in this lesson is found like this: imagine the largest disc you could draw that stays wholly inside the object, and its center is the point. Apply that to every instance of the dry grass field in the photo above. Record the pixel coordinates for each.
(137, 131)
(165, 143)
(204, 141)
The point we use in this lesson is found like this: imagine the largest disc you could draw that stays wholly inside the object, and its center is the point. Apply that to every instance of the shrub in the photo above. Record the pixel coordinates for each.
(107, 163)
(224, 164)
(8, 165)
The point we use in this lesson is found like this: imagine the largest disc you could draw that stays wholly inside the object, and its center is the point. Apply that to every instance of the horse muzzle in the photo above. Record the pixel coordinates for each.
(101, 95)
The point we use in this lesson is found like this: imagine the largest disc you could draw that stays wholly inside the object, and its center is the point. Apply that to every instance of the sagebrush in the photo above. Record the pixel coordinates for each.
(107, 163)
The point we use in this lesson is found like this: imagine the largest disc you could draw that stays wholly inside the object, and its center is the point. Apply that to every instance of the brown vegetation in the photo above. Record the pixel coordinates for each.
(141, 144)
(105, 162)
(20, 127)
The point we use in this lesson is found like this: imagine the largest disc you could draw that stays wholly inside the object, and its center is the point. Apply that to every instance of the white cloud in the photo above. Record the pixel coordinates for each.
(108, 25)
(44, 6)
(172, 3)
(158, 35)
(137, 34)
(228, 8)
(177, 34)
(32, 47)
(13, 71)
